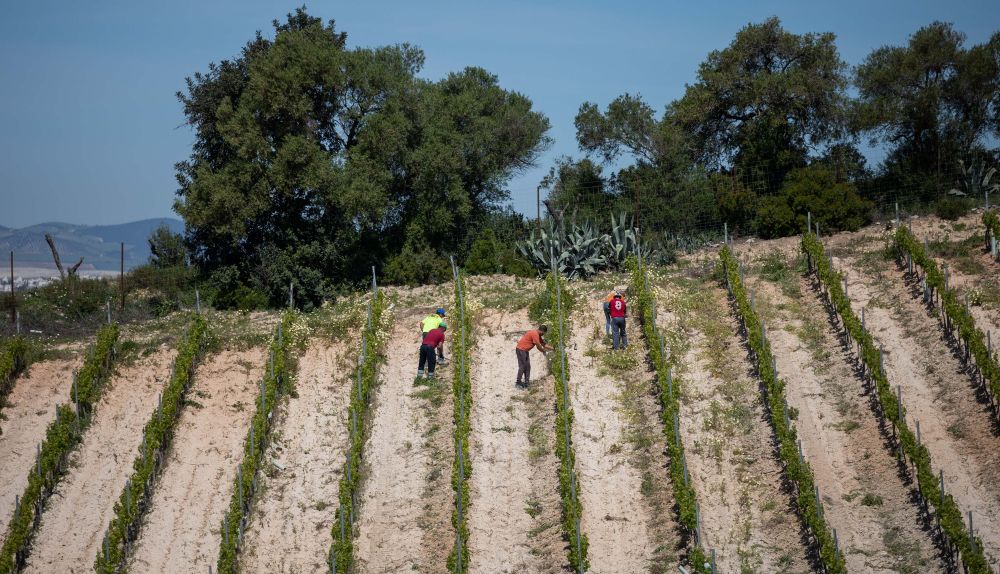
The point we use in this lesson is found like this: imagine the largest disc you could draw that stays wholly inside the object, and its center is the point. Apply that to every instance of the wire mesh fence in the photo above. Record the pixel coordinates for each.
(675, 213)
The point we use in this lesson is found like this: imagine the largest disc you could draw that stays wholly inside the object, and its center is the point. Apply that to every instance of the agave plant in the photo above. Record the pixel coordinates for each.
(624, 242)
(975, 179)
(577, 252)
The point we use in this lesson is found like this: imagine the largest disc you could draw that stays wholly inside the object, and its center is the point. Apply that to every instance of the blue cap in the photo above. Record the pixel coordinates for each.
(440, 311)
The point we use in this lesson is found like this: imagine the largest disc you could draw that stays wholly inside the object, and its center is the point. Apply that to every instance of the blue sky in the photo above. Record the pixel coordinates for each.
(90, 128)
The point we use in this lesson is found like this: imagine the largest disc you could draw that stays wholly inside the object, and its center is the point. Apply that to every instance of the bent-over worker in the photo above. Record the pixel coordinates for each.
(431, 322)
(433, 339)
(533, 339)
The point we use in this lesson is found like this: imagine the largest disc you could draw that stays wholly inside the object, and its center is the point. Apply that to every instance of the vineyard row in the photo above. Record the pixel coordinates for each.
(959, 540)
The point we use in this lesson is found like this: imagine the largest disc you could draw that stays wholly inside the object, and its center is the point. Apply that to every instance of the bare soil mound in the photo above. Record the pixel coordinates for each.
(31, 406)
(290, 530)
(84, 502)
(405, 513)
(182, 532)
(504, 510)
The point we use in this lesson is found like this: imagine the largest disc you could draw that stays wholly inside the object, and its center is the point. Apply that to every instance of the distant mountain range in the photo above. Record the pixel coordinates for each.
(99, 245)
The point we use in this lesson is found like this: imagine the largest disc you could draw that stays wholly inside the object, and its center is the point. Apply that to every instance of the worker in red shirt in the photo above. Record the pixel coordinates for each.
(430, 342)
(618, 312)
(533, 339)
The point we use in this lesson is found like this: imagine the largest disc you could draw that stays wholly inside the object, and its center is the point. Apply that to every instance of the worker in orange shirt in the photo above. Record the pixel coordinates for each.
(533, 339)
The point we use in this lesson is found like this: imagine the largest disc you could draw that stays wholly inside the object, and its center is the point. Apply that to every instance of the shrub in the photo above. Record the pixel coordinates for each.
(488, 255)
(484, 258)
(513, 264)
(836, 206)
(951, 208)
(416, 265)
(230, 293)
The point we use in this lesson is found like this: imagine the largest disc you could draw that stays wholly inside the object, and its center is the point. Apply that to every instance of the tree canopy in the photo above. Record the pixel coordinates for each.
(314, 161)
(932, 101)
(767, 100)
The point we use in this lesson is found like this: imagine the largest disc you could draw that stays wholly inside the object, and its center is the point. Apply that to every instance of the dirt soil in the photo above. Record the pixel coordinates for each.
(182, 533)
(31, 406)
(290, 529)
(616, 516)
(937, 391)
(987, 318)
(864, 499)
(404, 520)
(84, 502)
(504, 510)
(746, 515)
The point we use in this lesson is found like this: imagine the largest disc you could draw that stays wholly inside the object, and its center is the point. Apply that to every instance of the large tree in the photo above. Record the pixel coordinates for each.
(933, 101)
(767, 101)
(664, 186)
(313, 161)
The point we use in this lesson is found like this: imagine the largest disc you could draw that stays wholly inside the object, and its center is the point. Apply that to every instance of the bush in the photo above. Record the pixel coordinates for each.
(835, 206)
(489, 256)
(417, 265)
(484, 258)
(230, 293)
(513, 264)
(951, 208)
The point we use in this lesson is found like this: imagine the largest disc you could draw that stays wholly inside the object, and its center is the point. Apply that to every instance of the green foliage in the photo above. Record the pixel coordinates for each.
(941, 504)
(952, 208)
(166, 248)
(61, 437)
(580, 188)
(374, 337)
(960, 320)
(835, 206)
(644, 307)
(227, 292)
(462, 396)
(930, 99)
(736, 202)
(992, 224)
(797, 470)
(484, 258)
(312, 161)
(157, 435)
(560, 306)
(543, 304)
(581, 250)
(489, 255)
(277, 381)
(622, 242)
(765, 99)
(15, 356)
(417, 264)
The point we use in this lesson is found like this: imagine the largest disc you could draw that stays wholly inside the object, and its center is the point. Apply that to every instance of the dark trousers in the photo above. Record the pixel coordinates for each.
(523, 366)
(440, 348)
(618, 330)
(607, 318)
(427, 357)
